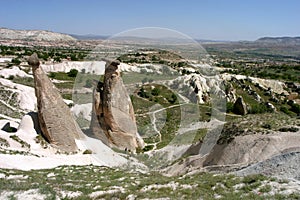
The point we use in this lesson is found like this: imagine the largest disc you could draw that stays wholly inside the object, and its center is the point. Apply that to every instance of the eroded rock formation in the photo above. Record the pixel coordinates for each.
(113, 120)
(56, 121)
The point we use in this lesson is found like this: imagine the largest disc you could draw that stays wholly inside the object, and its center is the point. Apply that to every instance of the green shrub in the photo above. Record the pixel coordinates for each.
(267, 126)
(22, 142)
(148, 148)
(142, 93)
(287, 111)
(87, 151)
(4, 142)
(15, 61)
(52, 75)
(173, 99)
(40, 140)
(259, 108)
(295, 108)
(155, 91)
(73, 73)
(229, 107)
(288, 129)
(265, 189)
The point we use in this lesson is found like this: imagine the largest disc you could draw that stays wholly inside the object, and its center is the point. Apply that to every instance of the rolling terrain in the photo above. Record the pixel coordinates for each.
(226, 126)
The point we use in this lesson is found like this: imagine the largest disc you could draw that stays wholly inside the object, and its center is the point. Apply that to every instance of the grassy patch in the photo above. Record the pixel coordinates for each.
(65, 85)
(283, 72)
(61, 76)
(171, 126)
(67, 96)
(41, 140)
(24, 81)
(134, 77)
(4, 142)
(190, 137)
(19, 140)
(89, 179)
(150, 98)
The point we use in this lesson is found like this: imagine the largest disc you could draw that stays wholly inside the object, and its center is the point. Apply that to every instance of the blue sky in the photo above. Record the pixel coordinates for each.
(201, 19)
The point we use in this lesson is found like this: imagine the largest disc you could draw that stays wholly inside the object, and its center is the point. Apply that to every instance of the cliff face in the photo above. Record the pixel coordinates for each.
(56, 121)
(113, 119)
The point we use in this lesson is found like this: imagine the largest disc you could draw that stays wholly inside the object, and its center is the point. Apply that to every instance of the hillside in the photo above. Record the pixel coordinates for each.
(34, 35)
(280, 40)
(223, 126)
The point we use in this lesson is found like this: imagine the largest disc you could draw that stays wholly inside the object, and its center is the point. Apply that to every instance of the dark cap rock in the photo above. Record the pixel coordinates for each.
(33, 60)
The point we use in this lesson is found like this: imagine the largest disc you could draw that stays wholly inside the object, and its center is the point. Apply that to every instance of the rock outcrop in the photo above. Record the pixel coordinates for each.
(56, 121)
(240, 153)
(113, 120)
(240, 107)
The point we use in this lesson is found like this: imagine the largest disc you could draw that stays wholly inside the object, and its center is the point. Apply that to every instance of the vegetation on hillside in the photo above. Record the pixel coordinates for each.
(44, 53)
(92, 182)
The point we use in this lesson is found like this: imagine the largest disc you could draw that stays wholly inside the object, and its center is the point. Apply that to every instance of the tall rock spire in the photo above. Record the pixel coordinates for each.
(113, 119)
(55, 118)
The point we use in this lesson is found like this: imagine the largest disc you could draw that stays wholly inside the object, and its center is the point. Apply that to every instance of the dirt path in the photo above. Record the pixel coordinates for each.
(154, 122)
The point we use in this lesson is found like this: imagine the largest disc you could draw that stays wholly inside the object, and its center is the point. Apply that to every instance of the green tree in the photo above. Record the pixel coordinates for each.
(57, 59)
(173, 98)
(142, 93)
(155, 91)
(73, 73)
(45, 56)
(15, 61)
(73, 57)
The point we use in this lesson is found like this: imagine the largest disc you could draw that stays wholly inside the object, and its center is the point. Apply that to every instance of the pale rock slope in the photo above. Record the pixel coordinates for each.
(36, 35)
(95, 67)
(14, 71)
(275, 85)
(26, 95)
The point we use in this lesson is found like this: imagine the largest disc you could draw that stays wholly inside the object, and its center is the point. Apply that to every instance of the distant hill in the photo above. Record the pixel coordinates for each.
(34, 35)
(89, 37)
(279, 40)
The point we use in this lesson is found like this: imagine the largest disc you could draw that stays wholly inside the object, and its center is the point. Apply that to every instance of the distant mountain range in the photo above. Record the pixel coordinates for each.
(42, 35)
(279, 40)
(89, 37)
